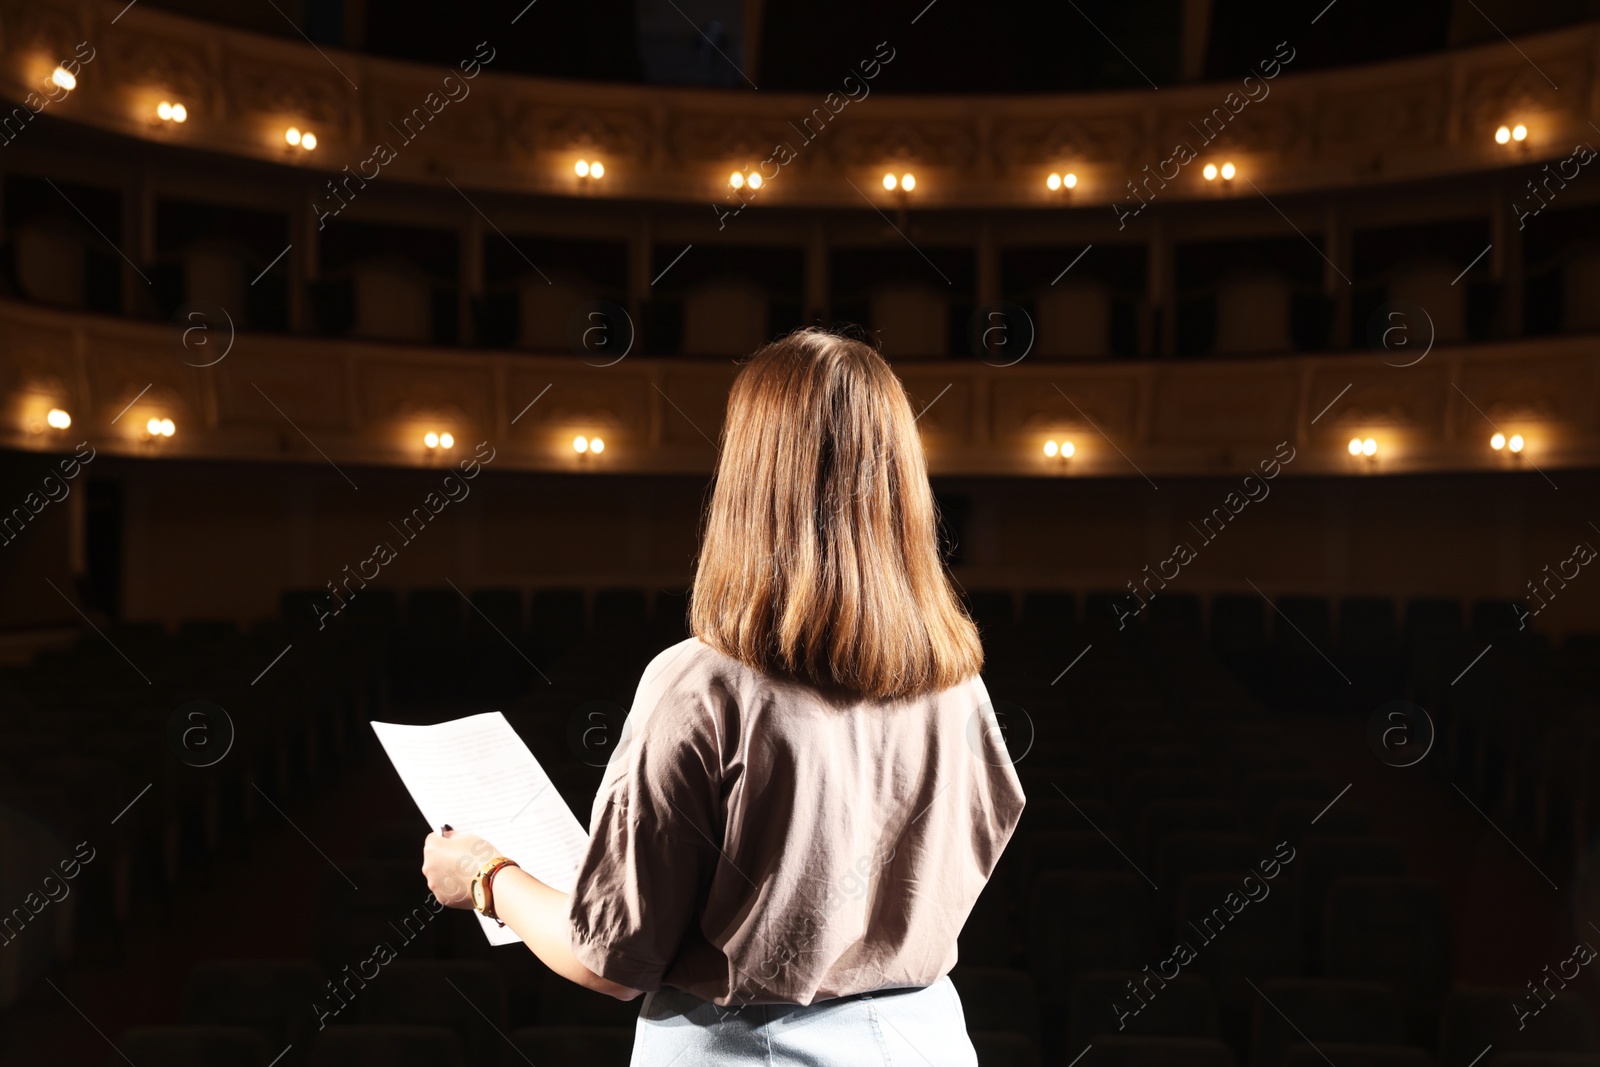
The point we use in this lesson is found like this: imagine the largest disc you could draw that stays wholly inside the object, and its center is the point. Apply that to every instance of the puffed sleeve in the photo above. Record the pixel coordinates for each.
(655, 831)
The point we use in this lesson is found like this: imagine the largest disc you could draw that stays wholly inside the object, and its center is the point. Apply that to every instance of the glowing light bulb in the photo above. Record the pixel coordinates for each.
(1355, 446)
(153, 427)
(890, 181)
(64, 78)
(1497, 442)
(1369, 447)
(908, 182)
(292, 136)
(180, 113)
(580, 444)
(164, 111)
(597, 169)
(1051, 448)
(1516, 442)
(58, 419)
(1070, 180)
(755, 181)
(1067, 448)
(581, 168)
(308, 140)
(1228, 172)
(168, 428)
(1210, 172)
(596, 445)
(736, 180)
(430, 439)
(447, 440)
(1053, 182)
(1519, 132)
(1502, 135)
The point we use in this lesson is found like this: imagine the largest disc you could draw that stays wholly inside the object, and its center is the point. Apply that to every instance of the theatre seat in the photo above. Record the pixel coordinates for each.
(985, 940)
(390, 907)
(1184, 1006)
(271, 997)
(1049, 614)
(591, 1046)
(1291, 1011)
(496, 646)
(620, 613)
(556, 622)
(395, 842)
(671, 620)
(1304, 1055)
(1476, 1017)
(465, 997)
(1176, 616)
(1297, 818)
(998, 998)
(1324, 858)
(1264, 939)
(1367, 627)
(1087, 922)
(1431, 622)
(1185, 855)
(386, 1046)
(1260, 794)
(1056, 851)
(994, 610)
(1238, 624)
(1000, 1049)
(1160, 1052)
(191, 1046)
(1390, 930)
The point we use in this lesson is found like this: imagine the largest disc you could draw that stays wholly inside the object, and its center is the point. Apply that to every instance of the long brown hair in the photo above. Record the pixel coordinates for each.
(820, 557)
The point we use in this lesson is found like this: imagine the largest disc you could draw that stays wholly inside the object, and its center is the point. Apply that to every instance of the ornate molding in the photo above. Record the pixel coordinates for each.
(363, 403)
(1432, 116)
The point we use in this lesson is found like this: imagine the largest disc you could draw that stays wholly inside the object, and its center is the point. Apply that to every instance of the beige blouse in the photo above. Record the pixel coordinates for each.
(758, 840)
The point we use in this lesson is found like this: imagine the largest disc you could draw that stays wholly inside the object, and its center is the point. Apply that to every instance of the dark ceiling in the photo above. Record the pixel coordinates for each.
(948, 46)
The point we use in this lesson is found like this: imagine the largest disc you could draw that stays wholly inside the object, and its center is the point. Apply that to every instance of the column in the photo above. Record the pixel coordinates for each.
(639, 245)
(470, 272)
(1158, 336)
(816, 294)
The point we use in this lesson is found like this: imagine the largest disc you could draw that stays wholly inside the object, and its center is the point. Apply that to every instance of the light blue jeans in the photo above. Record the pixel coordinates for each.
(888, 1028)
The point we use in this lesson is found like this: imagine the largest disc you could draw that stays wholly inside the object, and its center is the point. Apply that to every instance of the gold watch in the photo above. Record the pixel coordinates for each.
(483, 886)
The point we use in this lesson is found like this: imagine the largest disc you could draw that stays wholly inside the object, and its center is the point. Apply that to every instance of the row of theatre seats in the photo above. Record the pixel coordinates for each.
(101, 748)
(1162, 762)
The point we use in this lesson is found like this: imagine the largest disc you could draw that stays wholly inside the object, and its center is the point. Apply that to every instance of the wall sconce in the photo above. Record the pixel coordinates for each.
(1508, 134)
(1363, 446)
(63, 78)
(589, 170)
(1059, 450)
(438, 440)
(1211, 171)
(1514, 443)
(905, 183)
(156, 429)
(294, 137)
(738, 179)
(1056, 181)
(588, 445)
(167, 111)
(54, 419)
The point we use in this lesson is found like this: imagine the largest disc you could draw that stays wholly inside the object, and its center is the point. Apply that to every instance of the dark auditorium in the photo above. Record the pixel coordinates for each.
(800, 533)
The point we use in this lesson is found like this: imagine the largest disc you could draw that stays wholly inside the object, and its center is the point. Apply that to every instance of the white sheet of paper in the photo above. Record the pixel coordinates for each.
(477, 775)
